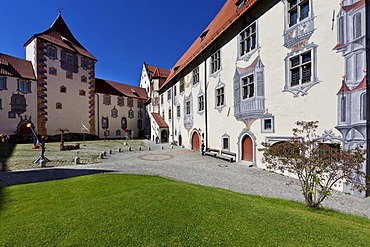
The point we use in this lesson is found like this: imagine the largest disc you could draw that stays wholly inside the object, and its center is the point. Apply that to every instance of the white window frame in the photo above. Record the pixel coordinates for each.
(195, 75)
(188, 108)
(267, 117)
(246, 86)
(215, 62)
(201, 103)
(298, 9)
(223, 138)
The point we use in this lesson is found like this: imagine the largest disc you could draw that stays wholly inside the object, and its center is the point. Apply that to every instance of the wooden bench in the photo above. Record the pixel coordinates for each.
(227, 155)
(212, 152)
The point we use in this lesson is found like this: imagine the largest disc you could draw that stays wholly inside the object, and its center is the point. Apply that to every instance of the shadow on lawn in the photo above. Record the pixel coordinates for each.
(40, 175)
(6, 150)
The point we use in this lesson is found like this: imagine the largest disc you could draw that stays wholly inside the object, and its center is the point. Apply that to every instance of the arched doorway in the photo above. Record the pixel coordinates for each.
(164, 136)
(180, 140)
(195, 143)
(247, 149)
(23, 130)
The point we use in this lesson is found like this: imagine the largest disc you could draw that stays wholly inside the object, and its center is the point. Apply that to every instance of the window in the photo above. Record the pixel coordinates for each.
(248, 87)
(139, 124)
(201, 103)
(105, 122)
(123, 123)
(162, 99)
(174, 90)
(248, 39)
(1, 104)
(329, 151)
(300, 69)
(182, 85)
(130, 102)
(52, 71)
(120, 101)
(24, 86)
(82, 93)
(359, 71)
(69, 61)
(169, 113)
(83, 79)
(106, 99)
(163, 114)
(195, 75)
(85, 63)
(341, 30)
(114, 112)
(298, 10)
(187, 107)
(169, 94)
(63, 89)
(51, 52)
(69, 75)
(343, 106)
(140, 103)
(357, 32)
(58, 106)
(363, 106)
(178, 111)
(140, 114)
(216, 62)
(268, 123)
(131, 114)
(220, 97)
(118, 132)
(2, 83)
(225, 142)
(285, 148)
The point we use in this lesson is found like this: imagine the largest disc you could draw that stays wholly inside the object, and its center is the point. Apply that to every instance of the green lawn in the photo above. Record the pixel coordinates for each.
(21, 156)
(133, 210)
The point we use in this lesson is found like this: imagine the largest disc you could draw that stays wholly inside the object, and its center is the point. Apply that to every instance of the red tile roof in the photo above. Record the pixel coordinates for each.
(16, 67)
(156, 72)
(354, 6)
(343, 88)
(362, 85)
(116, 88)
(160, 121)
(223, 20)
(60, 35)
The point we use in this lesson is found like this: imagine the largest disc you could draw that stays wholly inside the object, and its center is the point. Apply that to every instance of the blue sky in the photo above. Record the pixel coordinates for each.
(120, 34)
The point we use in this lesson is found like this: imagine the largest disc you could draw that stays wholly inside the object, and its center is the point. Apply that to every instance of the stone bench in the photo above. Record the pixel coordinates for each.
(227, 155)
(212, 152)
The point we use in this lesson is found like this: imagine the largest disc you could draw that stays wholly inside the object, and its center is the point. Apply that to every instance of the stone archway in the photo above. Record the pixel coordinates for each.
(23, 130)
(195, 142)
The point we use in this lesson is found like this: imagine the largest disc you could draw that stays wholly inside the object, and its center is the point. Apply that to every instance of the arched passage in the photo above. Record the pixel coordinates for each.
(164, 136)
(195, 142)
(247, 149)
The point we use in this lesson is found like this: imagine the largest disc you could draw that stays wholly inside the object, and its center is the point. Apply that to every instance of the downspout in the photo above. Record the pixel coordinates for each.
(205, 101)
(172, 111)
(98, 113)
(367, 54)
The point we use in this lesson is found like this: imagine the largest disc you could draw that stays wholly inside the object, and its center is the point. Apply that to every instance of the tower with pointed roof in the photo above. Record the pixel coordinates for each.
(65, 73)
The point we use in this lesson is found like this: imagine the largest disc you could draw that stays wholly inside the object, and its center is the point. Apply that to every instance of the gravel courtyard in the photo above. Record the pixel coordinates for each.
(188, 166)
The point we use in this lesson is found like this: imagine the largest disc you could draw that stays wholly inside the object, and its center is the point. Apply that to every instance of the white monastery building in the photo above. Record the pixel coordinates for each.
(261, 66)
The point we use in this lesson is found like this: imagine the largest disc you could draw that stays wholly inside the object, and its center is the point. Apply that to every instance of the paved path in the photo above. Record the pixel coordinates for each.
(188, 166)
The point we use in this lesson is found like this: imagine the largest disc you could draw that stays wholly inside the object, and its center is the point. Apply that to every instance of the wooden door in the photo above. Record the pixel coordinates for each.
(195, 142)
(247, 149)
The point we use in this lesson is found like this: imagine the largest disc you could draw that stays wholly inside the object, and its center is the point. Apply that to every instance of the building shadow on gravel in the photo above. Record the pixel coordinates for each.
(34, 176)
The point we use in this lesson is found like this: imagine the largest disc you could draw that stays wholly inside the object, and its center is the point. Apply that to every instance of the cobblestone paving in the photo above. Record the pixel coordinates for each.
(188, 166)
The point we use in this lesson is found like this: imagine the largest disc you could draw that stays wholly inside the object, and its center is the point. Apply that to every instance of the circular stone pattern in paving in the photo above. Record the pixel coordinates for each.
(156, 157)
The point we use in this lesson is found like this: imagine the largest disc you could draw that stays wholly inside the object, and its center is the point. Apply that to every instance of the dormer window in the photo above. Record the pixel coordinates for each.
(239, 3)
(203, 35)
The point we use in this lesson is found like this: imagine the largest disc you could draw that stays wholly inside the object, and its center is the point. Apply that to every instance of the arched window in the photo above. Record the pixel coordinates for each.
(363, 106)
(357, 28)
(123, 123)
(341, 30)
(58, 106)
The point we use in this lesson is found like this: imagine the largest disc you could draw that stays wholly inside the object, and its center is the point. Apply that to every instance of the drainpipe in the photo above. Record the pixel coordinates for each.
(367, 54)
(98, 112)
(172, 111)
(205, 101)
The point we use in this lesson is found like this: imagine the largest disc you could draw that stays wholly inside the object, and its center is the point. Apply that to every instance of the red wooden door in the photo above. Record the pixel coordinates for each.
(195, 142)
(247, 149)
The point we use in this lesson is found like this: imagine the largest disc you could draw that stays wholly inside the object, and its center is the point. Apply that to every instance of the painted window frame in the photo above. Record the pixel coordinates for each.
(131, 114)
(169, 113)
(3, 85)
(357, 31)
(51, 52)
(63, 89)
(182, 85)
(53, 71)
(59, 106)
(24, 86)
(120, 101)
(246, 85)
(178, 111)
(215, 62)
(84, 79)
(82, 92)
(195, 75)
(69, 75)
(298, 10)
(363, 107)
(301, 88)
(243, 37)
(220, 97)
(107, 99)
(85, 63)
(225, 137)
(130, 102)
(200, 103)
(268, 117)
(169, 94)
(188, 108)
(114, 112)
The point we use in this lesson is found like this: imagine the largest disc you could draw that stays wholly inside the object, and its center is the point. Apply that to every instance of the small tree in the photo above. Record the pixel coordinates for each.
(318, 166)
